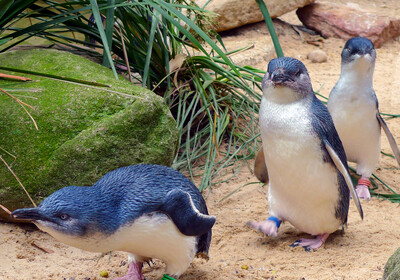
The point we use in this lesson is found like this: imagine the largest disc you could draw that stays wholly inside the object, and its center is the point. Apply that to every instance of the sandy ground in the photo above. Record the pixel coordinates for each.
(360, 253)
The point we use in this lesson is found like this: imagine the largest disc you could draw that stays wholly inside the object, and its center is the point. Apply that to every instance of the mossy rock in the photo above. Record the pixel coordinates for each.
(84, 131)
(392, 267)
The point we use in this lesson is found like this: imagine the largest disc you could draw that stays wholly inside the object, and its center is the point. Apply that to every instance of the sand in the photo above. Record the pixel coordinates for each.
(238, 252)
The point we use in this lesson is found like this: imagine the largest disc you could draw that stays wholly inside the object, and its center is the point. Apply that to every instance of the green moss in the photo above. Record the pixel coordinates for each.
(392, 267)
(84, 132)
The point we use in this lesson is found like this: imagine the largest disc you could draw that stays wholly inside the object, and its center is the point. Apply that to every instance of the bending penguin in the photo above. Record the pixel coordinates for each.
(309, 183)
(354, 109)
(149, 211)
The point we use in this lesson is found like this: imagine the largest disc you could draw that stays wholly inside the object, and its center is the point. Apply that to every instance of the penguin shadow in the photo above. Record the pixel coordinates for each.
(155, 269)
(288, 235)
(197, 270)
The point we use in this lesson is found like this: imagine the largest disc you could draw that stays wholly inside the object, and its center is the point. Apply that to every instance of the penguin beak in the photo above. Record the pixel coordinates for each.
(363, 60)
(27, 214)
(279, 77)
(364, 50)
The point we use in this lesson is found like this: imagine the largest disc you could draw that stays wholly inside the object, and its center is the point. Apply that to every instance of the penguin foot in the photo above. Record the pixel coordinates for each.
(134, 272)
(311, 244)
(362, 188)
(363, 192)
(269, 227)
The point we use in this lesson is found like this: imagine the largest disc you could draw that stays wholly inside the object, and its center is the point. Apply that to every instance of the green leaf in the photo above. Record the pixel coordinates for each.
(154, 22)
(109, 29)
(97, 17)
(4, 5)
(13, 10)
(192, 25)
(271, 29)
(3, 41)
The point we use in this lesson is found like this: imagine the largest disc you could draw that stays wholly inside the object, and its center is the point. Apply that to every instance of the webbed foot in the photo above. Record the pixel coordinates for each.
(134, 272)
(311, 244)
(362, 189)
(269, 227)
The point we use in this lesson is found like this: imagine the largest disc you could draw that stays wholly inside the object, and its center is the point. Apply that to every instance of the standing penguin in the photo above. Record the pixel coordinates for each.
(354, 109)
(308, 178)
(149, 211)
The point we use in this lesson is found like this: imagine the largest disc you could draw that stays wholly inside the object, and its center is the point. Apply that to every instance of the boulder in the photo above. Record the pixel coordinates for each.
(342, 21)
(392, 267)
(234, 13)
(83, 131)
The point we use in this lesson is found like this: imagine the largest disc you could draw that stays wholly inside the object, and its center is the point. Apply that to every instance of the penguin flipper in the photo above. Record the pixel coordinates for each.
(260, 168)
(339, 165)
(390, 137)
(178, 205)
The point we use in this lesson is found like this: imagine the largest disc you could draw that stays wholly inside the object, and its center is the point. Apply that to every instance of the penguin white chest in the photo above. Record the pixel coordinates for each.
(151, 236)
(303, 188)
(155, 236)
(353, 111)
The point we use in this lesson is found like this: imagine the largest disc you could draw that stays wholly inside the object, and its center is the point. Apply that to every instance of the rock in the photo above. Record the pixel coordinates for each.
(317, 56)
(235, 13)
(256, 52)
(254, 56)
(342, 21)
(392, 267)
(84, 132)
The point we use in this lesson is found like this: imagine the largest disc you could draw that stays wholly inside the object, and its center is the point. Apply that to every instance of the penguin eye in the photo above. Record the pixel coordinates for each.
(64, 217)
(296, 74)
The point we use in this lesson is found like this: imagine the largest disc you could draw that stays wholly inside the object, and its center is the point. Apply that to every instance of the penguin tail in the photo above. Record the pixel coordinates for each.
(178, 205)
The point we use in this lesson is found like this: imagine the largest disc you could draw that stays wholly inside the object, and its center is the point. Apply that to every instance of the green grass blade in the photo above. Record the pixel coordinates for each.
(390, 115)
(4, 5)
(109, 29)
(166, 53)
(97, 17)
(192, 25)
(79, 81)
(271, 29)
(154, 22)
(238, 189)
(14, 10)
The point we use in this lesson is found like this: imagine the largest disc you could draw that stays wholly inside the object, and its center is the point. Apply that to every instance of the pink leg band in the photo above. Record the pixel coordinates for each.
(364, 182)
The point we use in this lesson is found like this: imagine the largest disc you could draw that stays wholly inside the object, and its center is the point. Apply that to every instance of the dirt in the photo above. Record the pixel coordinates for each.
(238, 252)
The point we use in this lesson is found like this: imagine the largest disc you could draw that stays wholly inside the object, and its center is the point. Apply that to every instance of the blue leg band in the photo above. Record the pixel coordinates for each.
(276, 220)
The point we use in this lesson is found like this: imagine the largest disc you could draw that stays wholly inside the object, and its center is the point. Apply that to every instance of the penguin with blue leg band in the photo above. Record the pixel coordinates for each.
(309, 184)
(149, 211)
(354, 109)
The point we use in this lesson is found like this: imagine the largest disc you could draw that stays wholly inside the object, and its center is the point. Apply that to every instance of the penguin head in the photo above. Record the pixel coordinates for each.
(359, 51)
(286, 80)
(66, 211)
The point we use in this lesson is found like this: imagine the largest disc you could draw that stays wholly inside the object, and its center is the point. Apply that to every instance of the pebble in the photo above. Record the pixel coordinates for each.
(317, 56)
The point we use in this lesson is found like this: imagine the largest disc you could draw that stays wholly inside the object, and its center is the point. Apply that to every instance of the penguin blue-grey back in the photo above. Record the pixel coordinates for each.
(149, 211)
(354, 108)
(309, 184)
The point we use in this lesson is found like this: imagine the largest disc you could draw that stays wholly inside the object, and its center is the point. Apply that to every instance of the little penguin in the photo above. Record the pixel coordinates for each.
(309, 183)
(149, 211)
(354, 109)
